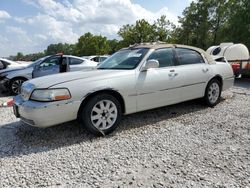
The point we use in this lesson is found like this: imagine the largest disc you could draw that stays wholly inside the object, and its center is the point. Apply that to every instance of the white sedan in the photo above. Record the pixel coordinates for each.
(134, 79)
(7, 65)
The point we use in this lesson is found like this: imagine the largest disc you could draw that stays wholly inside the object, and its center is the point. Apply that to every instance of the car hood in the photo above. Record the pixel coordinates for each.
(89, 75)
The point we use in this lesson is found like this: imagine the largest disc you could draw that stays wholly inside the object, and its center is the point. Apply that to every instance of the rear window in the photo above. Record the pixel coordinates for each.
(74, 61)
(188, 56)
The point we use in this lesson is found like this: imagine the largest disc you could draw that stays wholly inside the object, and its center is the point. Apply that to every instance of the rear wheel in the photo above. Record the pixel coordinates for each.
(15, 85)
(101, 114)
(213, 93)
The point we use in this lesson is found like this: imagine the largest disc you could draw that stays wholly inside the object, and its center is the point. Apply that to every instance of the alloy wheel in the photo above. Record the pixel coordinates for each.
(213, 92)
(104, 114)
(16, 86)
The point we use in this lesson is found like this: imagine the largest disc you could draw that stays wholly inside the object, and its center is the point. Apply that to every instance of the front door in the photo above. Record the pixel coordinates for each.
(47, 67)
(158, 87)
(193, 73)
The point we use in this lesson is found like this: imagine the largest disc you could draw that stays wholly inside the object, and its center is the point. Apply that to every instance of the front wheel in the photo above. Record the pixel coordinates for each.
(15, 85)
(213, 93)
(101, 114)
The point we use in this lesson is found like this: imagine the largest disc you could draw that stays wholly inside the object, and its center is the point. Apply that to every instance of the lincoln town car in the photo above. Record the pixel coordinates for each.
(134, 79)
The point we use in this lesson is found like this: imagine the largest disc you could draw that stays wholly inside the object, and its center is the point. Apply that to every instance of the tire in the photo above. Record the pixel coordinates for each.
(236, 75)
(101, 114)
(213, 93)
(15, 85)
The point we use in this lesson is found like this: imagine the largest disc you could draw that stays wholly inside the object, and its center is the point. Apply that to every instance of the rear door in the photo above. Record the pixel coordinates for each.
(47, 67)
(75, 64)
(192, 73)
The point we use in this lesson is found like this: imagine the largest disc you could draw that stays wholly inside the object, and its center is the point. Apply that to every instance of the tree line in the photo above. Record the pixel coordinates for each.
(204, 23)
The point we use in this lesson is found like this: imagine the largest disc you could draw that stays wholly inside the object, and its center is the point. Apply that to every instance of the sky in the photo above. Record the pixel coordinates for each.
(29, 26)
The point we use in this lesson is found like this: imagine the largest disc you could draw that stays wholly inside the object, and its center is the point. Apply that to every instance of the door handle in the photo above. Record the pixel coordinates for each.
(205, 69)
(172, 74)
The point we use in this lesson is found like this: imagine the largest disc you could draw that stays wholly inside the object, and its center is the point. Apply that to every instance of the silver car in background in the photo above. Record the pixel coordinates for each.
(13, 79)
(134, 79)
(6, 65)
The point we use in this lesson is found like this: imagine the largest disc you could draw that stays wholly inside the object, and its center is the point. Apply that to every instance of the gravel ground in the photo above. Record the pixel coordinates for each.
(184, 145)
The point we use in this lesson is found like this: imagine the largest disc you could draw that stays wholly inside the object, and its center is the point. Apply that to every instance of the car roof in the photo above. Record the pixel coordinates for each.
(158, 45)
(73, 56)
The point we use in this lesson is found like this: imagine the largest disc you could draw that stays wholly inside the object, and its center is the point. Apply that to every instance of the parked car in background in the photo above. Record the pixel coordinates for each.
(96, 58)
(6, 64)
(12, 80)
(134, 79)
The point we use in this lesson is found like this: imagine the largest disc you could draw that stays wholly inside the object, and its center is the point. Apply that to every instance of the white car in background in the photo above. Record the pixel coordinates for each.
(96, 58)
(134, 79)
(6, 65)
(13, 79)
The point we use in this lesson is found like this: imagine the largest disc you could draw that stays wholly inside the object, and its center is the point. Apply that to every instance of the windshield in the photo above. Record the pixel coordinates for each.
(124, 59)
(37, 62)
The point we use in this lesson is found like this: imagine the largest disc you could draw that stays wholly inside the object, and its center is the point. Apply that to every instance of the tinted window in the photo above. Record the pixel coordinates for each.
(74, 61)
(165, 57)
(96, 59)
(103, 58)
(216, 51)
(187, 56)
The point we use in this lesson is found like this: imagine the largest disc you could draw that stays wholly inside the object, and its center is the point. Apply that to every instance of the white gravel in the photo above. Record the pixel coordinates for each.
(184, 145)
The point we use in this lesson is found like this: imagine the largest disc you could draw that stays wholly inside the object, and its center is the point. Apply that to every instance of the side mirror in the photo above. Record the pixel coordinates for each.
(152, 63)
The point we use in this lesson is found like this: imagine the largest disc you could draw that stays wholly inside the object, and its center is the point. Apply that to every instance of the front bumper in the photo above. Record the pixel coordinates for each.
(45, 114)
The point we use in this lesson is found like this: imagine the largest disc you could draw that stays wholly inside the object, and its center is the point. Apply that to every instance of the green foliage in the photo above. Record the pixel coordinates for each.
(143, 31)
(29, 57)
(210, 22)
(65, 48)
(89, 44)
(19, 56)
(238, 26)
(163, 29)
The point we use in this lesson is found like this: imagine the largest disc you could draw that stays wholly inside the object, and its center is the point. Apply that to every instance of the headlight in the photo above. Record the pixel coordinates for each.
(47, 95)
(26, 90)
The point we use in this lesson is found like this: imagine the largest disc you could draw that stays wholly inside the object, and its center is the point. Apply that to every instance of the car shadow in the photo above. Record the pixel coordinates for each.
(18, 139)
(242, 83)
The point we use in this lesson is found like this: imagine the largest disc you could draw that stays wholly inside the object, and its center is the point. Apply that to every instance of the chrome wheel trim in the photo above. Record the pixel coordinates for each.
(213, 92)
(104, 114)
(16, 86)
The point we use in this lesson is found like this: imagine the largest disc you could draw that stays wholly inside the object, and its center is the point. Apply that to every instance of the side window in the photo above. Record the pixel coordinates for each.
(102, 59)
(50, 62)
(74, 61)
(187, 56)
(216, 51)
(96, 59)
(165, 57)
